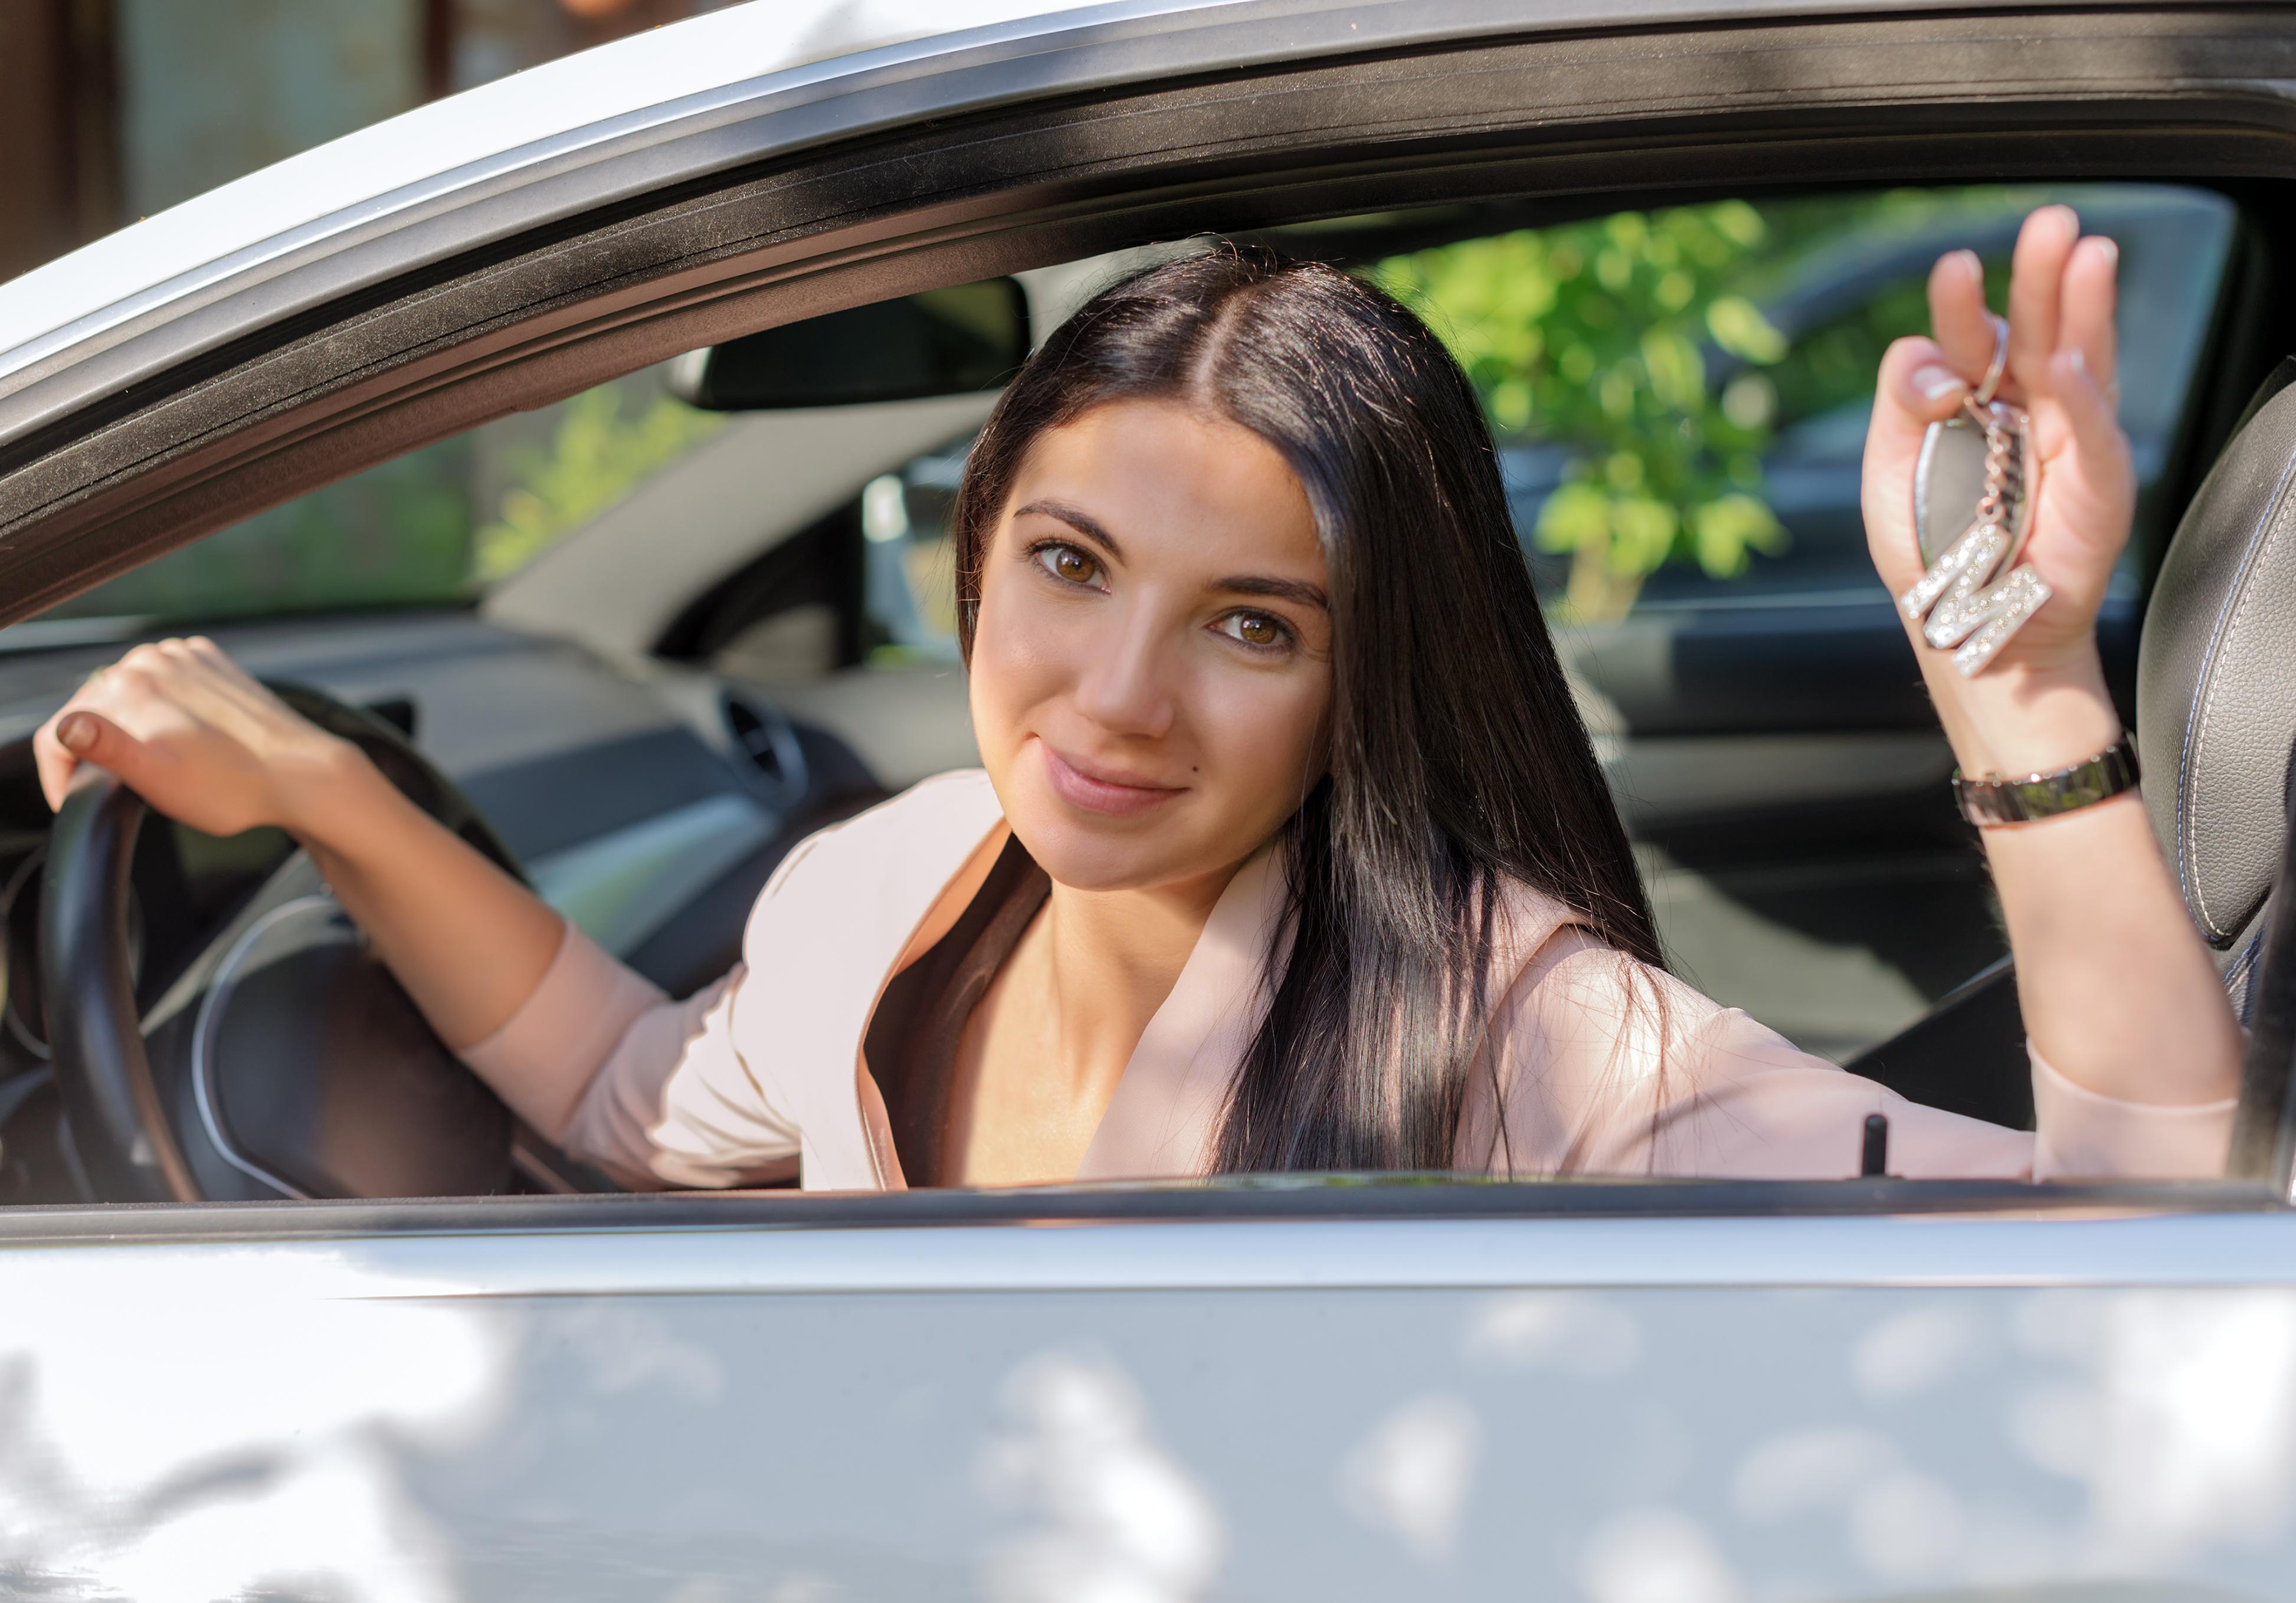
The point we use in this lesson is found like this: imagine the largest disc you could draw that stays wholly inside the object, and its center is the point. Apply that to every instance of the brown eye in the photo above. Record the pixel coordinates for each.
(1067, 562)
(1255, 629)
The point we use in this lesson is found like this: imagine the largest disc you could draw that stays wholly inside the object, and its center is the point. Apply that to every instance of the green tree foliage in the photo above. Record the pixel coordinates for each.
(597, 457)
(1598, 335)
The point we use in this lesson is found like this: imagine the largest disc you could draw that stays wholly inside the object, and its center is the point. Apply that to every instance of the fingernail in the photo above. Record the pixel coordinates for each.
(2080, 364)
(1969, 260)
(1936, 383)
(2111, 251)
(78, 734)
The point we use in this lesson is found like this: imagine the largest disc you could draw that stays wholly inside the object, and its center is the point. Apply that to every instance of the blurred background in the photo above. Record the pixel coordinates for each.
(112, 109)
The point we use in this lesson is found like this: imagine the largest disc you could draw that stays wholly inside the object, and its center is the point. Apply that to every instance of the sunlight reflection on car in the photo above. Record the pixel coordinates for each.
(2179, 1415)
(1121, 1519)
(264, 1454)
(1413, 1474)
(1576, 1332)
(1655, 1556)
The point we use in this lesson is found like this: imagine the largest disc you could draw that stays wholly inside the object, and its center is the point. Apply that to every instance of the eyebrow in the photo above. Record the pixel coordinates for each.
(1283, 590)
(1084, 523)
(1295, 590)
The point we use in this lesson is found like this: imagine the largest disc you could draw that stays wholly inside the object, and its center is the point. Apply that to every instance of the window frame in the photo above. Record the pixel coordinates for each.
(1331, 1199)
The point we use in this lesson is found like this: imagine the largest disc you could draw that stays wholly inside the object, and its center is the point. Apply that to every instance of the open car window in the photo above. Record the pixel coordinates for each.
(1678, 398)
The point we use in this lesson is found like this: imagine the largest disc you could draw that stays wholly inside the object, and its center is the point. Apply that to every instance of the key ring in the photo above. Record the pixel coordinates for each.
(2000, 362)
(1973, 597)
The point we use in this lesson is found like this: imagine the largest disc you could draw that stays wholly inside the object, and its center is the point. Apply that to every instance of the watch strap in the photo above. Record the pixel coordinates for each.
(1991, 801)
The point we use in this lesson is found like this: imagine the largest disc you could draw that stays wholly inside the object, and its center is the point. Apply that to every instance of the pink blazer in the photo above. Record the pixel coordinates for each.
(763, 1073)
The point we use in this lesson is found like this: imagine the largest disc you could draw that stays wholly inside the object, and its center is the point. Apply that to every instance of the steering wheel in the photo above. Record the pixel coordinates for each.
(289, 1061)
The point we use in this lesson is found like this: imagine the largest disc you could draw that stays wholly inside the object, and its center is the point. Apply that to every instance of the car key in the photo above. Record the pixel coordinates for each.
(1974, 487)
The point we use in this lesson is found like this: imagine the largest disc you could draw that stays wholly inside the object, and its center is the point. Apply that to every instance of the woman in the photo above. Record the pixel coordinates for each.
(1291, 851)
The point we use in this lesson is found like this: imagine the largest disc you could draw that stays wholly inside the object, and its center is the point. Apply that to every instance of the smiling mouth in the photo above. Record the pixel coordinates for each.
(1099, 793)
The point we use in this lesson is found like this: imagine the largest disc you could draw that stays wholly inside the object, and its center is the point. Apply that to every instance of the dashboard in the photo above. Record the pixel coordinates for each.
(647, 803)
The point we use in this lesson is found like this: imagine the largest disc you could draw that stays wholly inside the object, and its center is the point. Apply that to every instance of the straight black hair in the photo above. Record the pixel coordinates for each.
(1458, 759)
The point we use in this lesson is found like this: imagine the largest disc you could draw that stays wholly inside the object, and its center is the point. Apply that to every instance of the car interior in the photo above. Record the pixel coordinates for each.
(636, 643)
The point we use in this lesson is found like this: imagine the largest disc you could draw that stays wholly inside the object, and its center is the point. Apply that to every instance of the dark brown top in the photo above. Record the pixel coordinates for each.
(911, 1043)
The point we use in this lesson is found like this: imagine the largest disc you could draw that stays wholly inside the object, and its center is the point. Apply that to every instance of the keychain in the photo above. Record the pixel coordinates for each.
(1974, 487)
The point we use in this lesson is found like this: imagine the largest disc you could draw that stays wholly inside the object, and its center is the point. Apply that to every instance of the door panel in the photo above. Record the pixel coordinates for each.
(1843, 1408)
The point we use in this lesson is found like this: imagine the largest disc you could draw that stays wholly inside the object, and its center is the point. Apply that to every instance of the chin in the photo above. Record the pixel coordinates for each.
(1087, 854)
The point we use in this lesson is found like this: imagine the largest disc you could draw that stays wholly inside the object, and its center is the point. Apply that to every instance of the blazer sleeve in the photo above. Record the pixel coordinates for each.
(1598, 1064)
(654, 1091)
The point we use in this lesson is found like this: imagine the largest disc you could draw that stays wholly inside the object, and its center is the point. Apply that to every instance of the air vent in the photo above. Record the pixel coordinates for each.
(766, 739)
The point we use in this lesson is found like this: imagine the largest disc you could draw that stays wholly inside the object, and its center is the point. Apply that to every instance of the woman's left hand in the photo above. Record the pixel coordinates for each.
(2117, 993)
(2041, 703)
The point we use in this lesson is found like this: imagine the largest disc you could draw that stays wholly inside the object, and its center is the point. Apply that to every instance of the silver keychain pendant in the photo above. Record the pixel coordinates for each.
(1974, 487)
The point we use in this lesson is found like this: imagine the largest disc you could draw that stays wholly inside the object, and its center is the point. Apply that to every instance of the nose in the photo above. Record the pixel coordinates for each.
(1124, 687)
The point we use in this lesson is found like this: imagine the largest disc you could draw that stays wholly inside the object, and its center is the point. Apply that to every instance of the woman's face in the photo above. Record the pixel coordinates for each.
(1151, 660)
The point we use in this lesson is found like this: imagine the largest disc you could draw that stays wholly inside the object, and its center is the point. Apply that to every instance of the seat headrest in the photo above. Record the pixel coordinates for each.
(2216, 674)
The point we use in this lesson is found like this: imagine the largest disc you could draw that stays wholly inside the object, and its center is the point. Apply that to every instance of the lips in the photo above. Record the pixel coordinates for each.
(1098, 792)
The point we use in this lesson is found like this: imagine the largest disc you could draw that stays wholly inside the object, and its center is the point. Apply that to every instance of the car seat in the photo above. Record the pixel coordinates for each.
(2215, 684)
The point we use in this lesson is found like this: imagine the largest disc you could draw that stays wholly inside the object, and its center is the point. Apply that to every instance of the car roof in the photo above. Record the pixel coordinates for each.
(676, 72)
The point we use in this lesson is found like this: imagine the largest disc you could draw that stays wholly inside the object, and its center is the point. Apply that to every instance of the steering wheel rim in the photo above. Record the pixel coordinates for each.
(119, 1123)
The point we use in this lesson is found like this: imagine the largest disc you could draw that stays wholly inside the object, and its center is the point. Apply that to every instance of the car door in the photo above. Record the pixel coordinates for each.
(1661, 1396)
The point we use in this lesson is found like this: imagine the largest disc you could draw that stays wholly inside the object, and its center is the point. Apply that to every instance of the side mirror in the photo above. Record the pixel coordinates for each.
(952, 342)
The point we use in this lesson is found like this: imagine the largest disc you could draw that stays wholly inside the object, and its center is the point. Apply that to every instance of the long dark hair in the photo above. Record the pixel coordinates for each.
(1458, 759)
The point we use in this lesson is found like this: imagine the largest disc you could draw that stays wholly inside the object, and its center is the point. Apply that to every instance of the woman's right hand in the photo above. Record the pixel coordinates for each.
(189, 731)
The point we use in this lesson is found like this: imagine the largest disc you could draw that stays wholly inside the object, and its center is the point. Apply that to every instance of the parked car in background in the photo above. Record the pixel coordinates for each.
(582, 446)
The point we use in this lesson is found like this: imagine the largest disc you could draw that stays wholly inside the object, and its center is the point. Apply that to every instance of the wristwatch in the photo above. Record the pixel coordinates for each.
(1993, 800)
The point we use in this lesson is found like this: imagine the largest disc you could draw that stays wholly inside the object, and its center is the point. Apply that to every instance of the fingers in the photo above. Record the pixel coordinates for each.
(204, 654)
(53, 761)
(1918, 380)
(2089, 410)
(1917, 386)
(2090, 296)
(193, 674)
(2036, 272)
(1957, 313)
(138, 693)
(182, 659)
(76, 736)
(2061, 294)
